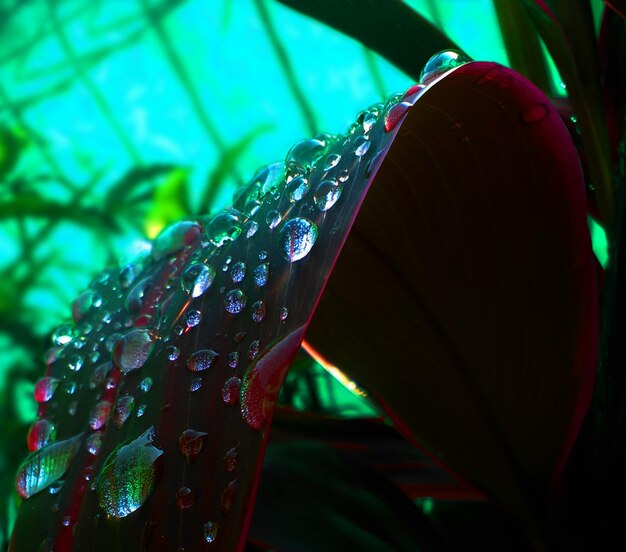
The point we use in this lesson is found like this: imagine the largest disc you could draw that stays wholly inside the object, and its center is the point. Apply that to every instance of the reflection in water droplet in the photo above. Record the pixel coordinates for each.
(297, 238)
(233, 359)
(127, 478)
(190, 443)
(235, 301)
(123, 409)
(209, 531)
(238, 272)
(184, 498)
(202, 360)
(273, 219)
(260, 274)
(258, 311)
(327, 194)
(40, 434)
(534, 113)
(46, 465)
(230, 459)
(174, 238)
(441, 63)
(193, 318)
(197, 278)
(132, 350)
(45, 388)
(100, 415)
(230, 391)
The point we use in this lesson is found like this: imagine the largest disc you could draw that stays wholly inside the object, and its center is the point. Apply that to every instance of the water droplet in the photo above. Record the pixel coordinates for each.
(262, 255)
(75, 363)
(273, 219)
(190, 443)
(260, 274)
(230, 459)
(209, 531)
(238, 272)
(235, 301)
(100, 415)
(110, 341)
(141, 410)
(306, 152)
(100, 374)
(70, 387)
(224, 227)
(71, 409)
(172, 352)
(46, 465)
(193, 318)
(40, 434)
(127, 478)
(534, 113)
(228, 497)
(441, 63)
(413, 93)
(146, 384)
(297, 189)
(283, 313)
(375, 162)
(94, 442)
(343, 175)
(258, 311)
(174, 238)
(123, 409)
(230, 391)
(197, 278)
(253, 349)
(196, 383)
(45, 388)
(361, 145)
(132, 350)
(297, 238)
(395, 114)
(134, 299)
(250, 228)
(56, 487)
(264, 378)
(327, 194)
(202, 360)
(184, 498)
(82, 304)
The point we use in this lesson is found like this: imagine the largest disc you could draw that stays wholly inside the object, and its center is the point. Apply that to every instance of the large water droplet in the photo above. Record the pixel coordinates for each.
(123, 409)
(174, 238)
(197, 278)
(132, 350)
(44, 466)
(264, 378)
(238, 272)
(209, 531)
(202, 360)
(127, 478)
(235, 301)
(441, 63)
(306, 152)
(45, 388)
(100, 415)
(230, 391)
(190, 443)
(40, 434)
(224, 227)
(327, 194)
(260, 274)
(297, 238)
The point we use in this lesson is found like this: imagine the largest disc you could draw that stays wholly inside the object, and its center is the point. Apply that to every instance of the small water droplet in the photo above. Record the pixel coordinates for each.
(534, 113)
(395, 114)
(327, 194)
(190, 443)
(361, 145)
(75, 362)
(197, 278)
(100, 374)
(46, 465)
(250, 228)
(56, 486)
(297, 238)
(135, 297)
(93, 444)
(238, 272)
(70, 387)
(100, 415)
(209, 531)
(273, 219)
(260, 274)
(230, 459)
(331, 161)
(233, 359)
(228, 497)
(253, 349)
(196, 383)
(224, 227)
(172, 352)
(297, 189)
(258, 311)
(283, 313)
(441, 63)
(82, 304)
(230, 391)
(262, 255)
(202, 360)
(235, 301)
(45, 388)
(141, 410)
(184, 498)
(173, 238)
(71, 408)
(133, 349)
(193, 318)
(146, 384)
(127, 478)
(123, 409)
(40, 434)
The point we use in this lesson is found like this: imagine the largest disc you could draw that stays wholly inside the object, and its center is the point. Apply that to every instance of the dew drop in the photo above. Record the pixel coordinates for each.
(230, 391)
(413, 94)
(173, 238)
(209, 531)
(283, 313)
(123, 409)
(238, 272)
(202, 360)
(94, 442)
(233, 359)
(260, 274)
(127, 478)
(146, 384)
(258, 311)
(56, 487)
(253, 349)
(273, 218)
(306, 152)
(141, 410)
(184, 498)
(70, 387)
(262, 255)
(327, 194)
(230, 459)
(75, 363)
(224, 227)
(235, 301)
(441, 63)
(395, 114)
(197, 278)
(100, 415)
(196, 383)
(361, 146)
(81, 305)
(133, 349)
(40, 434)
(190, 443)
(228, 497)
(250, 228)
(297, 189)
(63, 335)
(45, 388)
(46, 465)
(134, 299)
(193, 318)
(297, 238)
(172, 352)
(100, 374)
